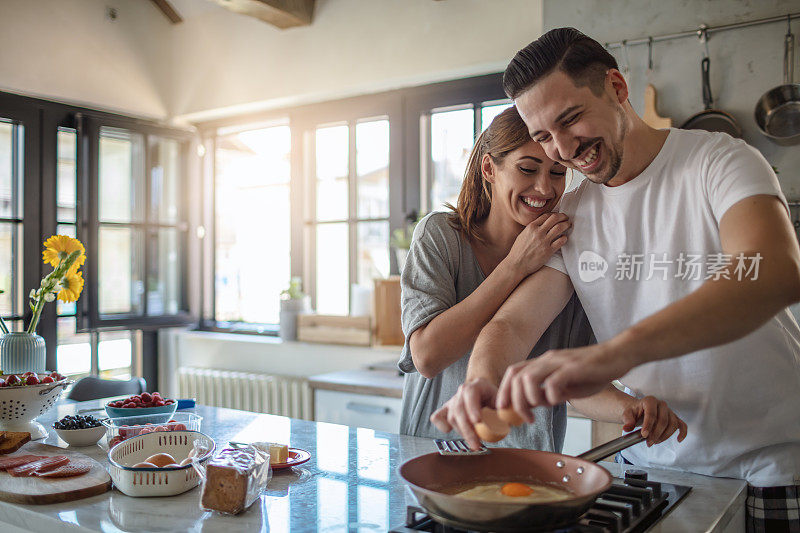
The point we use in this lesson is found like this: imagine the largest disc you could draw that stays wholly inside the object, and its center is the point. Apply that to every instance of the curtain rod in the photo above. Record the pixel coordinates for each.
(702, 30)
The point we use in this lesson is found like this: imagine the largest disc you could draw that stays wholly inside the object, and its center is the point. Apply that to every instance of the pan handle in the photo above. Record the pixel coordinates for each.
(708, 99)
(788, 59)
(612, 447)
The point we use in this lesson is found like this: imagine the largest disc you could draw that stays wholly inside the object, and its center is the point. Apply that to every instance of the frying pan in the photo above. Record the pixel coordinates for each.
(430, 476)
(777, 112)
(711, 119)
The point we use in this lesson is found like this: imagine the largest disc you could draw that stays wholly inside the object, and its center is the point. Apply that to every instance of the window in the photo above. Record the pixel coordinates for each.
(11, 223)
(349, 218)
(452, 136)
(319, 177)
(79, 353)
(252, 233)
(137, 238)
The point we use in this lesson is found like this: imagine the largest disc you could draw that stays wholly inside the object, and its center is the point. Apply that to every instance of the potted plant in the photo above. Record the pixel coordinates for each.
(25, 351)
(401, 239)
(293, 302)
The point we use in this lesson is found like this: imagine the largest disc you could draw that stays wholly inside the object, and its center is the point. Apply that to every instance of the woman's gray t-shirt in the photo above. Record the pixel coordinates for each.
(440, 271)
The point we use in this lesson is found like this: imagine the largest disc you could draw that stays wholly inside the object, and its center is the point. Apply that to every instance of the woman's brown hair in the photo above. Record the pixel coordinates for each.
(506, 133)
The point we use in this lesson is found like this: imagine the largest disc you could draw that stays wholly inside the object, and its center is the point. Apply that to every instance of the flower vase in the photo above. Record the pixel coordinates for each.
(22, 352)
(289, 310)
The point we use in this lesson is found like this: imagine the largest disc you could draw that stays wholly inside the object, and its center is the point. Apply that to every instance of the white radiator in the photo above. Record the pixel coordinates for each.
(260, 393)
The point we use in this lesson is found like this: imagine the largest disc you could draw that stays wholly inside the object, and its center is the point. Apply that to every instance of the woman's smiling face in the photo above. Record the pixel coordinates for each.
(526, 183)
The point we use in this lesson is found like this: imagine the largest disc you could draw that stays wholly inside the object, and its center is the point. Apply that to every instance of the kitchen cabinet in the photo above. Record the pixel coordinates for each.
(381, 413)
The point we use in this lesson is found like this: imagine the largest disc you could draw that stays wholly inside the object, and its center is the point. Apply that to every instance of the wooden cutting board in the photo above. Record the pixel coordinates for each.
(36, 490)
(650, 115)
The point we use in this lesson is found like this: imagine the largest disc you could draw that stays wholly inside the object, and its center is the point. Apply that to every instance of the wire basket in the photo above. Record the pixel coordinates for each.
(21, 405)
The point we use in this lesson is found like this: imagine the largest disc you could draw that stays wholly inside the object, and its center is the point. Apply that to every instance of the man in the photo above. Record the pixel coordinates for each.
(717, 342)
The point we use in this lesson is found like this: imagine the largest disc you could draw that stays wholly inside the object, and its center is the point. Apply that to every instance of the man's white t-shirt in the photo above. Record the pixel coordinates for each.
(635, 249)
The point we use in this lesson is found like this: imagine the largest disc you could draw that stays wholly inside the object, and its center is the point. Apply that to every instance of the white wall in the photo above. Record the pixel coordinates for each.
(744, 63)
(218, 62)
(67, 50)
(227, 62)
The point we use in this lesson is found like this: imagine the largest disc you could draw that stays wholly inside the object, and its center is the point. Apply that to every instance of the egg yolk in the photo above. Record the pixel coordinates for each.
(516, 489)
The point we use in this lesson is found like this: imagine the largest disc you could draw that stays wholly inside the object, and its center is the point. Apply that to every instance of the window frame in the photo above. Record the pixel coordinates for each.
(405, 109)
(15, 109)
(42, 120)
(89, 127)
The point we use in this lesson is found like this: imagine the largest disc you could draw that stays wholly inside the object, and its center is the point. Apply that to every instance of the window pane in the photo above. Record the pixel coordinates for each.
(115, 354)
(74, 351)
(119, 280)
(332, 171)
(10, 169)
(373, 251)
(451, 143)
(252, 224)
(165, 181)
(372, 167)
(121, 172)
(488, 112)
(61, 307)
(66, 178)
(164, 283)
(332, 269)
(10, 268)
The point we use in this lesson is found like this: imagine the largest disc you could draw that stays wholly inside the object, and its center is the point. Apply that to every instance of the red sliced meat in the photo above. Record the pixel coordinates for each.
(11, 462)
(69, 470)
(42, 465)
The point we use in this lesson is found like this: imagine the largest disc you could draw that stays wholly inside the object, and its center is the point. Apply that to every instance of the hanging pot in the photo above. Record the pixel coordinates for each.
(777, 112)
(711, 119)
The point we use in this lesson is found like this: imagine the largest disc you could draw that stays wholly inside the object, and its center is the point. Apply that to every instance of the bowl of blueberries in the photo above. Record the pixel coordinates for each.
(79, 430)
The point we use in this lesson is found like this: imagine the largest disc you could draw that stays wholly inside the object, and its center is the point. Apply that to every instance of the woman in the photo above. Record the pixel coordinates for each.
(463, 265)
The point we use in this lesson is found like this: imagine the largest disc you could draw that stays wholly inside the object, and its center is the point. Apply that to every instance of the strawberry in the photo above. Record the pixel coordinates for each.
(159, 403)
(169, 402)
(32, 380)
(146, 397)
(13, 379)
(47, 379)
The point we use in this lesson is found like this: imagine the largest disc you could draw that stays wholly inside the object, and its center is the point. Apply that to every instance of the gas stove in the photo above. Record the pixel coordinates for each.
(630, 505)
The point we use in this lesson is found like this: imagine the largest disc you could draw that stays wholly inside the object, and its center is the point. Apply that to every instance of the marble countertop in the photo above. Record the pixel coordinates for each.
(350, 484)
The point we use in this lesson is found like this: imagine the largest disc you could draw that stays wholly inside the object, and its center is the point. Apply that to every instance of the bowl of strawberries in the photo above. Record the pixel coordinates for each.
(146, 403)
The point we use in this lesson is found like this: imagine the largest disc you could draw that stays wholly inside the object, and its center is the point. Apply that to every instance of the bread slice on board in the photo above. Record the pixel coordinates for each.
(13, 441)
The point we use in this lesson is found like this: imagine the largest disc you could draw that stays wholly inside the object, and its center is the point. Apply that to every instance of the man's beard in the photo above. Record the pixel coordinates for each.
(615, 154)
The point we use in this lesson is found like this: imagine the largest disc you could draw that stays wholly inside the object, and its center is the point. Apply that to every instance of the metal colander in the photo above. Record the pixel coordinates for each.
(21, 405)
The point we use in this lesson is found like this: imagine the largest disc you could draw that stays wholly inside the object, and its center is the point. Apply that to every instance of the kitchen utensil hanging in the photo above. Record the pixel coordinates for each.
(710, 119)
(650, 114)
(777, 112)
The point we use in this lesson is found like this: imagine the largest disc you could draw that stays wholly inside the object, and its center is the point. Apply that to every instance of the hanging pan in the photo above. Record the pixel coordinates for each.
(777, 113)
(711, 119)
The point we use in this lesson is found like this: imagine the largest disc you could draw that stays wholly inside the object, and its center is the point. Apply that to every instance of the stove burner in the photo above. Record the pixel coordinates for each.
(629, 506)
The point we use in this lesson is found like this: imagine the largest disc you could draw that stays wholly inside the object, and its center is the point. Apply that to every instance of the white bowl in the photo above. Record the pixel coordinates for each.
(20, 405)
(156, 481)
(82, 437)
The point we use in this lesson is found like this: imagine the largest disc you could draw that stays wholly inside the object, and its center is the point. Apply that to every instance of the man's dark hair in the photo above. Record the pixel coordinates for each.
(582, 58)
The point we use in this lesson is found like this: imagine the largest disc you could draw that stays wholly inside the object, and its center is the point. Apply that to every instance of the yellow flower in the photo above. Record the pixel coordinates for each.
(71, 287)
(58, 248)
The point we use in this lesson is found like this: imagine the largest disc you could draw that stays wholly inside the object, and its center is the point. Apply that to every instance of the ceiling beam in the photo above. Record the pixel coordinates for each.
(281, 13)
(170, 12)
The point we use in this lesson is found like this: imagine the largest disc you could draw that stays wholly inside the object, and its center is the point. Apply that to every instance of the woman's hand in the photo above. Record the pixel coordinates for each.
(538, 241)
(463, 411)
(658, 421)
